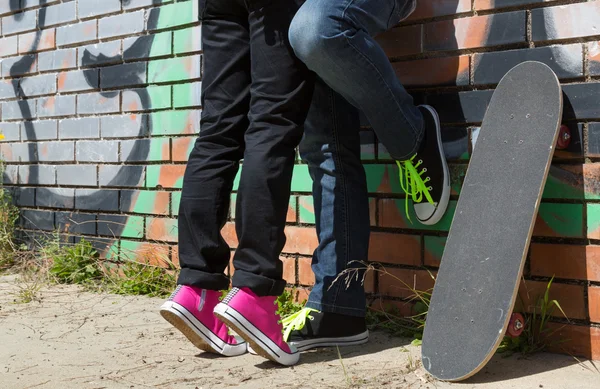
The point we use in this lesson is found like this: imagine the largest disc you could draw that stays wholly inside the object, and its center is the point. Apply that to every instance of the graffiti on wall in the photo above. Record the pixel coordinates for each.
(463, 33)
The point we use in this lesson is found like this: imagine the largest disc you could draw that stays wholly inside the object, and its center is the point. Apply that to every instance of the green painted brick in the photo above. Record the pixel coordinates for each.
(175, 200)
(146, 199)
(301, 181)
(157, 149)
(160, 96)
(153, 175)
(593, 219)
(174, 69)
(171, 122)
(186, 95)
(307, 209)
(434, 248)
(187, 40)
(375, 174)
(161, 44)
(565, 220)
(177, 14)
(134, 228)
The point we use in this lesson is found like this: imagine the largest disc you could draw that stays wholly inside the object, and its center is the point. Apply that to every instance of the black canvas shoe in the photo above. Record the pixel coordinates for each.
(425, 177)
(310, 328)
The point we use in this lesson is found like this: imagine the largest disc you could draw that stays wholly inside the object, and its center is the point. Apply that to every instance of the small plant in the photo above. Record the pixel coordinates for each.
(536, 335)
(143, 279)
(9, 214)
(77, 264)
(286, 305)
(388, 318)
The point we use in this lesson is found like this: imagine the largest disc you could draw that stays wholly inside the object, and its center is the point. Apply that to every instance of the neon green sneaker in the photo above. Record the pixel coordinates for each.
(425, 177)
(310, 328)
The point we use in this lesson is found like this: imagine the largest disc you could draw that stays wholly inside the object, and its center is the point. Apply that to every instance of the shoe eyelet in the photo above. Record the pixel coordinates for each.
(430, 187)
(424, 170)
(420, 161)
(427, 179)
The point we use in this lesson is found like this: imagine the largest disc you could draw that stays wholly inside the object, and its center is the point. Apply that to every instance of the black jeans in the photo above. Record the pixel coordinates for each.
(255, 98)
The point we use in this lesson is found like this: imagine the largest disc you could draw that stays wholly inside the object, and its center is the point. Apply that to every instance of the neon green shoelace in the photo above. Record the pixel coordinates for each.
(413, 183)
(295, 322)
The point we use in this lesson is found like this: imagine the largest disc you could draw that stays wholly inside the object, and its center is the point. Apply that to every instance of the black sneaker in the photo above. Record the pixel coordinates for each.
(310, 328)
(425, 177)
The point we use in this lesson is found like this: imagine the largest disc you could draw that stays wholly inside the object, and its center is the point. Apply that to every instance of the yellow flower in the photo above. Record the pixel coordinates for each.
(1, 136)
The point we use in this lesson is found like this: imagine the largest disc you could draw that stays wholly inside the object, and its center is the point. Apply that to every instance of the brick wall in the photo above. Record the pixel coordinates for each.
(100, 103)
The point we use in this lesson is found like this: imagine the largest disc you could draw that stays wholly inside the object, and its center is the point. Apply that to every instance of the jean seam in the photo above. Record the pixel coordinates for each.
(338, 163)
(381, 79)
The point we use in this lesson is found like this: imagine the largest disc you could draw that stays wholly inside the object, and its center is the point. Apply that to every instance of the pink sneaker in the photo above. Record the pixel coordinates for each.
(190, 310)
(255, 319)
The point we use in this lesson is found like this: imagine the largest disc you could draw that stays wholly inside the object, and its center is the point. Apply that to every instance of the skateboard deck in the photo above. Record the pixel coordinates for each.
(482, 264)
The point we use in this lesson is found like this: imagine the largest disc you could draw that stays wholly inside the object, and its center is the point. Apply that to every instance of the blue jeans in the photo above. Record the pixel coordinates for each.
(331, 148)
(335, 40)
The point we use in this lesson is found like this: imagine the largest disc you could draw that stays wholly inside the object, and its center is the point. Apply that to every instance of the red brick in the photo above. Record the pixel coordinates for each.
(300, 240)
(402, 308)
(570, 297)
(594, 303)
(395, 248)
(434, 71)
(161, 229)
(369, 281)
(401, 41)
(580, 341)
(373, 212)
(401, 282)
(300, 295)
(230, 235)
(594, 58)
(434, 8)
(389, 214)
(305, 273)
(152, 254)
(474, 32)
(566, 261)
(289, 269)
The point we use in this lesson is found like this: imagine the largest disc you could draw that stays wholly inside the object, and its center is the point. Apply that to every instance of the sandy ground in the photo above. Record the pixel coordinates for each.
(74, 339)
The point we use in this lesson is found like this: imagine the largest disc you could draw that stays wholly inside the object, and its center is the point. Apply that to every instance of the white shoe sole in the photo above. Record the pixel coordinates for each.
(354, 340)
(197, 333)
(442, 206)
(260, 343)
(305, 345)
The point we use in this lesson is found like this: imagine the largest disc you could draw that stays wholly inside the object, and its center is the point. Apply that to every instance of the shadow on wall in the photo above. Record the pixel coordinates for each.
(128, 176)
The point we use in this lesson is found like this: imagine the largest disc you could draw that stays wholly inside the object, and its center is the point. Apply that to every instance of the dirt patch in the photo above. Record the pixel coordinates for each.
(67, 338)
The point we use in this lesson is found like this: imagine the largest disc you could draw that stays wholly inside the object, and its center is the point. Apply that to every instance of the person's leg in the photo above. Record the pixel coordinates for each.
(280, 97)
(209, 176)
(335, 311)
(335, 39)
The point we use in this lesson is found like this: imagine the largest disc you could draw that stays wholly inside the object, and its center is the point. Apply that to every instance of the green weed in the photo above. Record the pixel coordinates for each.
(76, 264)
(143, 279)
(536, 335)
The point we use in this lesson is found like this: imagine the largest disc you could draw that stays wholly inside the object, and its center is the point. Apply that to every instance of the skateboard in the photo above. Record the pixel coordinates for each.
(482, 264)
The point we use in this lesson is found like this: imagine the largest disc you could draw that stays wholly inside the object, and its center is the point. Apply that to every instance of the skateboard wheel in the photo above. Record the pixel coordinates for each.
(516, 325)
(564, 137)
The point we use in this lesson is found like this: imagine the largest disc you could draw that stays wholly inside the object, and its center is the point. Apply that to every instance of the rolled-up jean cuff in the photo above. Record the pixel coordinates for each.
(260, 285)
(202, 279)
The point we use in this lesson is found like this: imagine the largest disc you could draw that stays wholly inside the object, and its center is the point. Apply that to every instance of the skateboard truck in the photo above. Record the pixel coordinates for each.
(516, 325)
(564, 138)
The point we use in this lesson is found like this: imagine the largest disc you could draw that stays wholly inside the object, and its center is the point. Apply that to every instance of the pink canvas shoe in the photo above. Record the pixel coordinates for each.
(255, 319)
(190, 310)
